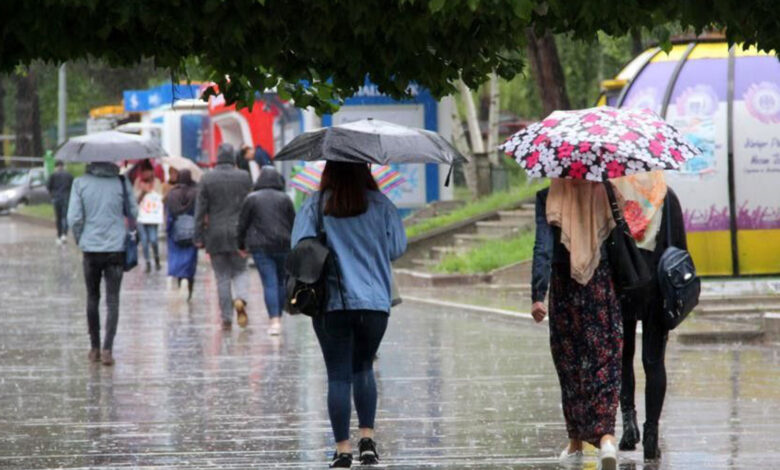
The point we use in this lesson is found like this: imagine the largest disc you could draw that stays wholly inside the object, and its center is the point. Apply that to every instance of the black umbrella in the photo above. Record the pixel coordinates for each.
(371, 141)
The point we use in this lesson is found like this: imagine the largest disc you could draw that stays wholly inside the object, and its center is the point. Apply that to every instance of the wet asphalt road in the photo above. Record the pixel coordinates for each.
(457, 390)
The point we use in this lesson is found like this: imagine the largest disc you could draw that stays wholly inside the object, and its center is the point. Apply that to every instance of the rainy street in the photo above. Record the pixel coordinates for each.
(456, 389)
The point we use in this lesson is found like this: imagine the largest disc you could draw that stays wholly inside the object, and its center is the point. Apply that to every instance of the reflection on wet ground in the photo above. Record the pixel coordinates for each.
(457, 390)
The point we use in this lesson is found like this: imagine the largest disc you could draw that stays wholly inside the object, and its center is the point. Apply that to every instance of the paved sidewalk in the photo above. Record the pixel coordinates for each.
(458, 390)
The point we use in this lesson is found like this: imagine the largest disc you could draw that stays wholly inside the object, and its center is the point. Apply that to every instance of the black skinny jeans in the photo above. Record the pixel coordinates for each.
(654, 338)
(98, 266)
(349, 340)
(61, 216)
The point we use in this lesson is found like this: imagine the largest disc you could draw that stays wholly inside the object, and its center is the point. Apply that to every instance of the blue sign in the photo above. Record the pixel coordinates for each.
(144, 100)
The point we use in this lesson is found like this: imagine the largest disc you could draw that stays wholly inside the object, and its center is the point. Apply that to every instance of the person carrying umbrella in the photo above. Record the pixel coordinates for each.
(582, 150)
(364, 233)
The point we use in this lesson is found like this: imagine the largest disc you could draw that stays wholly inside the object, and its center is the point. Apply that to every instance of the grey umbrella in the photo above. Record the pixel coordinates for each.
(108, 146)
(371, 141)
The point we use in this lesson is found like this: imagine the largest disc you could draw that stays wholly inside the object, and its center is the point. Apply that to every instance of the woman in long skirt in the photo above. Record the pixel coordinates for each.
(183, 254)
(573, 220)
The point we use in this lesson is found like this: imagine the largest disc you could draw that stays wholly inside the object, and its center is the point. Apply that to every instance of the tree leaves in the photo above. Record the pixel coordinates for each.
(301, 44)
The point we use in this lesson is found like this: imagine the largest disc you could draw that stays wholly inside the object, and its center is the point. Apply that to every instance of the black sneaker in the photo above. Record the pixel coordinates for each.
(368, 453)
(341, 460)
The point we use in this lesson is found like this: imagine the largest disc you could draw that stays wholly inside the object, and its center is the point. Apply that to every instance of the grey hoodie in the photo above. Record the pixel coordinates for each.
(95, 211)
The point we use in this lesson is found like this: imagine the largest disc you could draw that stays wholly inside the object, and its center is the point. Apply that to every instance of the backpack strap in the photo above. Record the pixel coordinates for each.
(321, 235)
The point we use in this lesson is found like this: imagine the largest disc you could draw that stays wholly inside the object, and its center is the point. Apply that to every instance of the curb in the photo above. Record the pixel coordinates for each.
(473, 308)
(39, 221)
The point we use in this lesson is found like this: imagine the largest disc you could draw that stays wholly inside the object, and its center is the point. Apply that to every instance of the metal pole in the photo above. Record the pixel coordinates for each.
(62, 104)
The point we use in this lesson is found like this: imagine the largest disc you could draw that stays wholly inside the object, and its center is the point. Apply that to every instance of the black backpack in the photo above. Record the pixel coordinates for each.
(678, 282)
(308, 266)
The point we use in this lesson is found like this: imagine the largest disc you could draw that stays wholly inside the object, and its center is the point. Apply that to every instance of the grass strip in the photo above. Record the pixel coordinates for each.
(490, 255)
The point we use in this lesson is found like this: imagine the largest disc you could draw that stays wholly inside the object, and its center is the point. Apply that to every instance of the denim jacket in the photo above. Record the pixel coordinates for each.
(364, 246)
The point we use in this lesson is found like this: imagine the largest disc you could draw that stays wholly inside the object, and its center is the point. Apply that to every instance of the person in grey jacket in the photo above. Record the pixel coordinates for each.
(96, 215)
(264, 228)
(220, 195)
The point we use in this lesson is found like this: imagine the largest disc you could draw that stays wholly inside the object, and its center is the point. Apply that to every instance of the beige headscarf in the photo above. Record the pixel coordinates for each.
(643, 195)
(581, 210)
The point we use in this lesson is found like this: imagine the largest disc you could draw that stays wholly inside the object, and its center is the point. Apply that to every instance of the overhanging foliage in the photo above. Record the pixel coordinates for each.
(320, 51)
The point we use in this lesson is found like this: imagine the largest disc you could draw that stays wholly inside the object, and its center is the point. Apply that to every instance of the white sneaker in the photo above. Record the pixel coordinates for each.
(59, 241)
(608, 457)
(64, 239)
(570, 458)
(276, 327)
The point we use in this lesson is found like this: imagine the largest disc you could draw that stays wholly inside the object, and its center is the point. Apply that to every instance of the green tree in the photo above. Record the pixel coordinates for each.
(321, 50)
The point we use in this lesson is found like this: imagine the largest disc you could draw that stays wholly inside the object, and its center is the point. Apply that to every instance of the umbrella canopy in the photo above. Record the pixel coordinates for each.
(308, 178)
(108, 146)
(371, 141)
(597, 144)
(181, 163)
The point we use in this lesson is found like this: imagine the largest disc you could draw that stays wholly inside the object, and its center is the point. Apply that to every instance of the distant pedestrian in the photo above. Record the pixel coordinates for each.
(246, 161)
(264, 228)
(59, 185)
(148, 192)
(220, 194)
(182, 252)
(173, 179)
(646, 198)
(365, 233)
(98, 207)
(573, 220)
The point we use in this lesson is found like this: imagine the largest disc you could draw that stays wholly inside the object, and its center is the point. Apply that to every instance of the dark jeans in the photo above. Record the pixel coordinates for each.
(654, 338)
(272, 274)
(108, 266)
(61, 215)
(349, 340)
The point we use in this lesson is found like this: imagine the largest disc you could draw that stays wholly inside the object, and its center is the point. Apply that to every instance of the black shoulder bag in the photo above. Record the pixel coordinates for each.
(308, 266)
(131, 240)
(633, 278)
(677, 279)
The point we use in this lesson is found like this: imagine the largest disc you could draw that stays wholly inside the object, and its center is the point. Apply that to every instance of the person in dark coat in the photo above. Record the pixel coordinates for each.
(220, 194)
(573, 222)
(646, 199)
(182, 255)
(59, 185)
(264, 228)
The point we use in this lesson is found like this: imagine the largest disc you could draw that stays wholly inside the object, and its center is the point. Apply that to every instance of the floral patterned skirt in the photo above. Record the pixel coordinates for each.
(586, 339)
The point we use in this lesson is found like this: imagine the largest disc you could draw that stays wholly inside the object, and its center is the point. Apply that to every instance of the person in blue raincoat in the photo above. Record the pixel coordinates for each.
(180, 208)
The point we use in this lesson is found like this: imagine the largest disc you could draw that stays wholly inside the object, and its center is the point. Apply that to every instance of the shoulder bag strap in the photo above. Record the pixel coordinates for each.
(323, 238)
(613, 204)
(668, 211)
(131, 222)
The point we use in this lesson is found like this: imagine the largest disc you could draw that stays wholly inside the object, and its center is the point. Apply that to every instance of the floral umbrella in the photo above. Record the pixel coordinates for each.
(597, 144)
(308, 178)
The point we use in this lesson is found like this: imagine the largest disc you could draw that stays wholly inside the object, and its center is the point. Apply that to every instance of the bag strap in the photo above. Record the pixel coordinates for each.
(617, 215)
(131, 222)
(668, 211)
(321, 235)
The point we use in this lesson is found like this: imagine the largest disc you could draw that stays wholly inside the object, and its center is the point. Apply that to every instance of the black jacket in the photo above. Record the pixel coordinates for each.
(59, 185)
(548, 249)
(217, 207)
(267, 215)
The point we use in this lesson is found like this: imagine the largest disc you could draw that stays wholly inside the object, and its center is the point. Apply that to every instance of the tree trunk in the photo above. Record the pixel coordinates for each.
(475, 134)
(636, 42)
(547, 70)
(2, 120)
(459, 139)
(28, 121)
(493, 116)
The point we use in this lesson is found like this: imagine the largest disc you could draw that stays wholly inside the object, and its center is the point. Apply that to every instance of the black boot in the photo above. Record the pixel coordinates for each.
(650, 442)
(630, 431)
(190, 287)
(148, 267)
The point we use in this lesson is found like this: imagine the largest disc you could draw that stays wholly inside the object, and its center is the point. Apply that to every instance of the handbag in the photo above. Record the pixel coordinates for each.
(678, 282)
(184, 230)
(131, 237)
(308, 266)
(632, 277)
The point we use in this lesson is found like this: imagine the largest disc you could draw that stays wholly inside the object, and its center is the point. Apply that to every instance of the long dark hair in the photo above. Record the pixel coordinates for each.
(347, 183)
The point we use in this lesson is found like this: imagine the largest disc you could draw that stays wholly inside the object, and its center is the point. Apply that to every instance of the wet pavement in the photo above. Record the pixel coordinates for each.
(457, 390)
